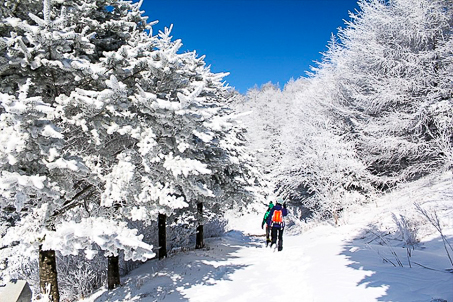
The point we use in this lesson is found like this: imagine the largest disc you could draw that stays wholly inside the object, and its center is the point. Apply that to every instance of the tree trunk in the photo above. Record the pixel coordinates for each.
(48, 273)
(113, 272)
(162, 234)
(200, 243)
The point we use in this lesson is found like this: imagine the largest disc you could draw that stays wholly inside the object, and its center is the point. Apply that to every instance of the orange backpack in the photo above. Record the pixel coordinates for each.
(277, 217)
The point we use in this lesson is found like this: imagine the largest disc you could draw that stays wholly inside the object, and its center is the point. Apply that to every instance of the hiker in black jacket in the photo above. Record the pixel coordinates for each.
(276, 223)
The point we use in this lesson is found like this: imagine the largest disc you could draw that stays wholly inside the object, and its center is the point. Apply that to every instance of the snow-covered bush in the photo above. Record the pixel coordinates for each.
(433, 218)
(78, 276)
(215, 227)
(408, 230)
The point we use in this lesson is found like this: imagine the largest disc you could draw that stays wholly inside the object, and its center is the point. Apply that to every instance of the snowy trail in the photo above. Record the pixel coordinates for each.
(326, 263)
(261, 269)
(307, 270)
(240, 268)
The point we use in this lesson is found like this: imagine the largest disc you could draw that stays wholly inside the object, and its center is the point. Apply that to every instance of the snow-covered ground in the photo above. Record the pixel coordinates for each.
(348, 262)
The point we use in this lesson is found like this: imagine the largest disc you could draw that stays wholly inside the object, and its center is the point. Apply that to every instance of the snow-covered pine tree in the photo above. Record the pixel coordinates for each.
(27, 187)
(144, 130)
(195, 155)
(169, 119)
(47, 57)
(35, 142)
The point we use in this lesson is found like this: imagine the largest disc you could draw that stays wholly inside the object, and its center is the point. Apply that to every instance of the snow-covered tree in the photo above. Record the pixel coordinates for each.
(122, 127)
(391, 63)
(320, 167)
(304, 150)
(264, 114)
(374, 104)
(194, 156)
(43, 176)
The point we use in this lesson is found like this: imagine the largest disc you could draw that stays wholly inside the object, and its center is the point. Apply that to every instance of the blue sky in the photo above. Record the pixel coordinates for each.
(256, 41)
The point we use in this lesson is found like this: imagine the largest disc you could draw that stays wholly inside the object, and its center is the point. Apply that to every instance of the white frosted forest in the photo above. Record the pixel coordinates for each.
(124, 159)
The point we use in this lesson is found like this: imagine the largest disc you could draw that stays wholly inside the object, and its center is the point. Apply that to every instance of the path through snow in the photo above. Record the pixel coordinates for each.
(317, 266)
(325, 263)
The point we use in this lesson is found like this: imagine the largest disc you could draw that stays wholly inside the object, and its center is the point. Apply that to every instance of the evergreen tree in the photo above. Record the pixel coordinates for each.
(112, 125)
(47, 57)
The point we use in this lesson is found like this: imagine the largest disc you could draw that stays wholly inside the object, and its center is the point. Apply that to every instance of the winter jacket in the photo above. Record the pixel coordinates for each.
(271, 205)
(278, 206)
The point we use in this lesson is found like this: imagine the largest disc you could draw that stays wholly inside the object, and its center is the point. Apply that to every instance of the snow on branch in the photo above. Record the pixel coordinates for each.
(110, 236)
(181, 166)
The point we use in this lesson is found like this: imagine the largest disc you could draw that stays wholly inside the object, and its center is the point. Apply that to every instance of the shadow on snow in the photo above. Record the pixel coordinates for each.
(421, 277)
(165, 280)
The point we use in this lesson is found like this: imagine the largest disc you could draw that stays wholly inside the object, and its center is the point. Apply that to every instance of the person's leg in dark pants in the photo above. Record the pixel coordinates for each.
(273, 235)
(268, 235)
(280, 239)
